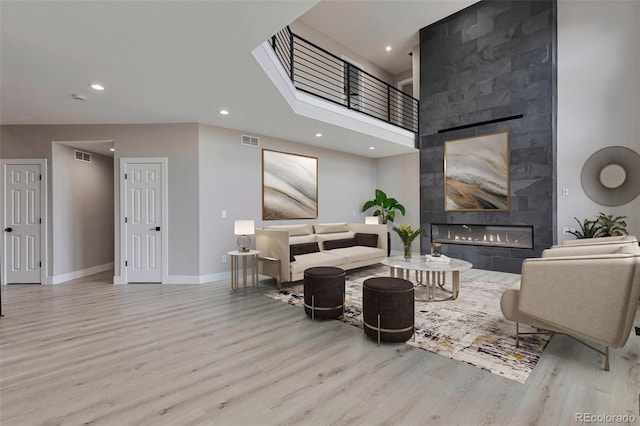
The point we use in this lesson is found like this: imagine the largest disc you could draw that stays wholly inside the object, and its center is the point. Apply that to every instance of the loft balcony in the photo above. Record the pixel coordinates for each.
(315, 71)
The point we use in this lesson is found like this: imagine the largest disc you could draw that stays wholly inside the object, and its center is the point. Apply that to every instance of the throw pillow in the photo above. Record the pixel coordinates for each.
(367, 240)
(304, 248)
(336, 244)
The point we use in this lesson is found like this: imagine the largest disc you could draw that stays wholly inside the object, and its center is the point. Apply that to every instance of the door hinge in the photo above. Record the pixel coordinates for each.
(125, 176)
(40, 220)
(41, 177)
(40, 264)
(126, 263)
(125, 220)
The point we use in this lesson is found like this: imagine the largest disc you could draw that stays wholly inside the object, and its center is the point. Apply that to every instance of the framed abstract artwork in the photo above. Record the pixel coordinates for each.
(289, 186)
(476, 173)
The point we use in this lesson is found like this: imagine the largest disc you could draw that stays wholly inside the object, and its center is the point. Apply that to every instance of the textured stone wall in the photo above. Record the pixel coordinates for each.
(492, 60)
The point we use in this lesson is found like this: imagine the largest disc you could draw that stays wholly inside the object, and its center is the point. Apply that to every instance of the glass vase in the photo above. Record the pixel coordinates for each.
(407, 252)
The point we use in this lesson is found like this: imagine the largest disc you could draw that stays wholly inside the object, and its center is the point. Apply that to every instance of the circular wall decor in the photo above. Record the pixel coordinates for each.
(611, 176)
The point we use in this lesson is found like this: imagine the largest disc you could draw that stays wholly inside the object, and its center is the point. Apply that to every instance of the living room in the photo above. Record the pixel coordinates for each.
(213, 179)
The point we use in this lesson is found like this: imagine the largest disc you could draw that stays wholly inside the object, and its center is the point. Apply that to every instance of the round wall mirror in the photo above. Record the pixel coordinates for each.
(611, 176)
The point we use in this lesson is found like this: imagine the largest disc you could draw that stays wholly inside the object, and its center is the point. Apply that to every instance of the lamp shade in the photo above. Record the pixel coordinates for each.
(244, 227)
(371, 220)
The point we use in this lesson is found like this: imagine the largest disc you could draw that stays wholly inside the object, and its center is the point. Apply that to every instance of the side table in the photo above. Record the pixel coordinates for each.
(235, 256)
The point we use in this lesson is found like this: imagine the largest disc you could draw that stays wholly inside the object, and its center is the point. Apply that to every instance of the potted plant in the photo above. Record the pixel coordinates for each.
(603, 226)
(386, 207)
(611, 226)
(588, 229)
(407, 235)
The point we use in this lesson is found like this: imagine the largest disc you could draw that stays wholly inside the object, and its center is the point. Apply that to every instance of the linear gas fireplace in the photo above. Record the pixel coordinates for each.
(510, 236)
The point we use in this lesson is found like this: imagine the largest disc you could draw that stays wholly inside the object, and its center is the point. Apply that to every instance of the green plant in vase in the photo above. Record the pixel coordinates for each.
(611, 226)
(407, 235)
(603, 226)
(588, 229)
(385, 207)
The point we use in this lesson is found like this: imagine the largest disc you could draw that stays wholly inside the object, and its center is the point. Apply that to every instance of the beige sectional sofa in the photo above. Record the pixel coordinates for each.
(298, 247)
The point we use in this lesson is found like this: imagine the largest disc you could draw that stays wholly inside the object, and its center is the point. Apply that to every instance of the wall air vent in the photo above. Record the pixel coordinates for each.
(82, 156)
(250, 140)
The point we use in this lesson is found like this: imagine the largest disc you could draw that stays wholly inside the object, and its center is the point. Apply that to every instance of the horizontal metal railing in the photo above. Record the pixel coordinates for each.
(316, 71)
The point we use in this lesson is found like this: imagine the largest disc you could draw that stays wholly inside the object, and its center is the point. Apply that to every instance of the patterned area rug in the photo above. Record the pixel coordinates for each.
(470, 328)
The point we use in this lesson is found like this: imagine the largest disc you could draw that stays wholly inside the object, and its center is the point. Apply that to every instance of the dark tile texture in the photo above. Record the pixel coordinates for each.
(492, 60)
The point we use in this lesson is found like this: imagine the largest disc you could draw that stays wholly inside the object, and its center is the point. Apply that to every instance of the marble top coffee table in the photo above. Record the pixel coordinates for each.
(429, 274)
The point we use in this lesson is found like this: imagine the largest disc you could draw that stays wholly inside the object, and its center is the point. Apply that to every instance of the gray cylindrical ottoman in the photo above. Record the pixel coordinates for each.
(388, 309)
(324, 292)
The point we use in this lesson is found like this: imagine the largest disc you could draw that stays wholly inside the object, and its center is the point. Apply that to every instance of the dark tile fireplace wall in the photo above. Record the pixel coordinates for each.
(492, 60)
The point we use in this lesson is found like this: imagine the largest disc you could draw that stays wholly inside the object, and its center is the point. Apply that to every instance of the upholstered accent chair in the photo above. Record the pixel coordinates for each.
(586, 291)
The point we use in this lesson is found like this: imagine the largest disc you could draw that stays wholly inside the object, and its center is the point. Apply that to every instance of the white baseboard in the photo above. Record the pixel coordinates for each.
(57, 279)
(185, 279)
(197, 279)
(118, 280)
(212, 278)
(182, 279)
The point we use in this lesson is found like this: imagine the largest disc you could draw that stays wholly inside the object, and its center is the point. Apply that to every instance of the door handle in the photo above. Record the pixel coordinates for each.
(8, 230)
(157, 228)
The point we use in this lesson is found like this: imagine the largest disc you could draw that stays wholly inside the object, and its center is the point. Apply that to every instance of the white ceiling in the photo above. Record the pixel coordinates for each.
(367, 27)
(183, 61)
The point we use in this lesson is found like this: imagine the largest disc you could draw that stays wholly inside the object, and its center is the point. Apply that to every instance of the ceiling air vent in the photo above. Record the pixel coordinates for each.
(82, 156)
(250, 140)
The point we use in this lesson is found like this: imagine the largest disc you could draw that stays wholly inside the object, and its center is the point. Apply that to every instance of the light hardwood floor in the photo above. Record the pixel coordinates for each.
(89, 352)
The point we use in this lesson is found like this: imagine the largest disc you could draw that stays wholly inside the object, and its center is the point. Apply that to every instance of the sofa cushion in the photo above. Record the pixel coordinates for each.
(293, 229)
(509, 305)
(367, 240)
(299, 239)
(359, 253)
(336, 236)
(309, 260)
(328, 228)
(304, 248)
(336, 244)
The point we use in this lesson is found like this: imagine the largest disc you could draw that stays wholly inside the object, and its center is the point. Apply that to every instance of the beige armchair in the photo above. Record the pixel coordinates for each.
(587, 291)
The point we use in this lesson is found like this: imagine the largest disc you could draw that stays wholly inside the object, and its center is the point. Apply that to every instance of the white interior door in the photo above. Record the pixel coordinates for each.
(143, 222)
(22, 223)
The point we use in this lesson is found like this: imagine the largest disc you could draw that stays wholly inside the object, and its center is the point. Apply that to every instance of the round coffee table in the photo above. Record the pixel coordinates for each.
(429, 274)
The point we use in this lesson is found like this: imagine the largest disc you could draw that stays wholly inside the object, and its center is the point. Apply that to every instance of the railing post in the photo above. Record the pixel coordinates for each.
(388, 104)
(291, 56)
(273, 42)
(348, 88)
(416, 121)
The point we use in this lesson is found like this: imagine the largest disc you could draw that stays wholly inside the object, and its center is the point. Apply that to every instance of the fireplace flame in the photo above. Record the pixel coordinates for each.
(489, 237)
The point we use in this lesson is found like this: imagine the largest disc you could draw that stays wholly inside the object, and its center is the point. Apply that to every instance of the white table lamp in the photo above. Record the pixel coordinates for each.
(244, 228)
(371, 220)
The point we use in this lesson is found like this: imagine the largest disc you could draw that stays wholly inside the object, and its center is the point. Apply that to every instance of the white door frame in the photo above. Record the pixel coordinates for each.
(164, 256)
(360, 79)
(42, 162)
(400, 103)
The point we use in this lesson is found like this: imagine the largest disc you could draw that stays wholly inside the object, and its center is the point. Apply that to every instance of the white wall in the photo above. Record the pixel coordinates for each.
(338, 49)
(399, 177)
(231, 180)
(82, 211)
(177, 142)
(598, 98)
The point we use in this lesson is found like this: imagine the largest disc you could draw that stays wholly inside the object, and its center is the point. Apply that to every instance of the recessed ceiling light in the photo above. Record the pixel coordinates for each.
(388, 48)
(96, 86)
(318, 135)
(224, 112)
(112, 149)
(372, 147)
